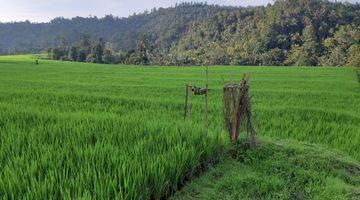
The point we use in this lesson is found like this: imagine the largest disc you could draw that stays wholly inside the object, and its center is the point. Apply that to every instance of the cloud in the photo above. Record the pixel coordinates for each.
(45, 10)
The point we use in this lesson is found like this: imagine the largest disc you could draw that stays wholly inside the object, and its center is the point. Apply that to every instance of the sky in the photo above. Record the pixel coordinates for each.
(45, 10)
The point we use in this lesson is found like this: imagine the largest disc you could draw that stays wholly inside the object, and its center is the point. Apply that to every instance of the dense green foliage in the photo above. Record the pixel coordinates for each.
(99, 131)
(289, 32)
(285, 170)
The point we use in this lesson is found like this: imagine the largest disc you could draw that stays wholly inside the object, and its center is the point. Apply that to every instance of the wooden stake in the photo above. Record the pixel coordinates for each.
(206, 94)
(186, 107)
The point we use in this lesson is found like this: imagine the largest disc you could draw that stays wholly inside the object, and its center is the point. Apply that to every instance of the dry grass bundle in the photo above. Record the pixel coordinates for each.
(237, 110)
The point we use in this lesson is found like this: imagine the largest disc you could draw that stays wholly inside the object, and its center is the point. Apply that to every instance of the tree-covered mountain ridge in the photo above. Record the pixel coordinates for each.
(165, 24)
(287, 32)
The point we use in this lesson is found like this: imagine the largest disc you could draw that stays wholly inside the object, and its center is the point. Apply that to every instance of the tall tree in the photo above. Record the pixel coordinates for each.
(84, 47)
(143, 50)
(108, 57)
(85, 42)
(309, 45)
(354, 56)
(73, 54)
(98, 50)
(341, 47)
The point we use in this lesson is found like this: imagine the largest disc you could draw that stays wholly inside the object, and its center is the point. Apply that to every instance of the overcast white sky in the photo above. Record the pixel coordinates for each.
(45, 10)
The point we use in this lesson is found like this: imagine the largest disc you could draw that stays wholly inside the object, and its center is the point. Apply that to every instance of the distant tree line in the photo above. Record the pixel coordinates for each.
(86, 51)
(100, 51)
(288, 32)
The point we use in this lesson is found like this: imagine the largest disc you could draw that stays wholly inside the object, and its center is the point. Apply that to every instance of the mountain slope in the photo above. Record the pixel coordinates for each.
(167, 25)
(290, 32)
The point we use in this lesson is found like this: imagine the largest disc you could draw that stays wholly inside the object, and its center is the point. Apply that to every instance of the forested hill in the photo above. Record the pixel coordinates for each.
(164, 24)
(288, 32)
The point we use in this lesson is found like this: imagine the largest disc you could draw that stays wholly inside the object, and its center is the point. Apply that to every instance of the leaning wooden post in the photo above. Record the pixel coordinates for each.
(186, 107)
(206, 93)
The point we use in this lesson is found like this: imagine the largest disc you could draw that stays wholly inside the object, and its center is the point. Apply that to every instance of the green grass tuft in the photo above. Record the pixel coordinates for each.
(282, 170)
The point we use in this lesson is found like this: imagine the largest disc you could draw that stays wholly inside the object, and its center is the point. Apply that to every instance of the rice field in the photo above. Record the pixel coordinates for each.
(76, 130)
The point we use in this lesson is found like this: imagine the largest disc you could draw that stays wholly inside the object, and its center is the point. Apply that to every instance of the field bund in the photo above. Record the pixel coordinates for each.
(102, 131)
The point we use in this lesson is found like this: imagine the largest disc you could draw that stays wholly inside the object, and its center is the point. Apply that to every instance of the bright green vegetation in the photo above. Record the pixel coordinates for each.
(72, 130)
(87, 131)
(285, 170)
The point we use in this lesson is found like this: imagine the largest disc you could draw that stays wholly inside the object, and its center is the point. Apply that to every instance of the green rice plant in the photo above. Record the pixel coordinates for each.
(77, 130)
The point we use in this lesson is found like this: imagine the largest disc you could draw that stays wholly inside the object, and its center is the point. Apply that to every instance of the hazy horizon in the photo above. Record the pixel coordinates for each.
(38, 11)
